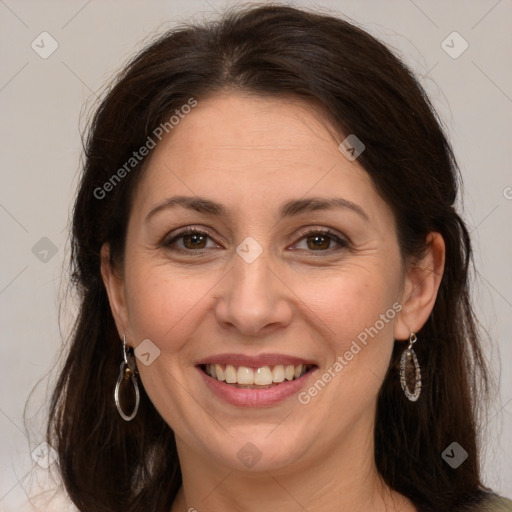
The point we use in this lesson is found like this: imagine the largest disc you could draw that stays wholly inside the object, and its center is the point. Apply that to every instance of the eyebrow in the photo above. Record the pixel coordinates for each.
(288, 209)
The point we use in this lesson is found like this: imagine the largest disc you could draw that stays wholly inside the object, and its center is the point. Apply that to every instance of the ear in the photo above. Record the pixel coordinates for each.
(114, 284)
(420, 289)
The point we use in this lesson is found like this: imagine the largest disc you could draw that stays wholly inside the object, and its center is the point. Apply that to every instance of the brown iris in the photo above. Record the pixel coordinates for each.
(317, 244)
(195, 240)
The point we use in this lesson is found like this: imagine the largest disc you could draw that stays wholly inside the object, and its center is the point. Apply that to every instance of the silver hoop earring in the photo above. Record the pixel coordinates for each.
(408, 365)
(126, 393)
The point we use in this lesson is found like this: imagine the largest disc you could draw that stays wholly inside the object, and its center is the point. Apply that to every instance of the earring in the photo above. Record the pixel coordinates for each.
(408, 363)
(126, 396)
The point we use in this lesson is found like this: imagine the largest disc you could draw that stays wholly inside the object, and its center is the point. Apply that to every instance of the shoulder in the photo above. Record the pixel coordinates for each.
(499, 504)
(493, 503)
(482, 502)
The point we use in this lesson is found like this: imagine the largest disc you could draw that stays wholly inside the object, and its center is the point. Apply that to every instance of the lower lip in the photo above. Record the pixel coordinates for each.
(243, 397)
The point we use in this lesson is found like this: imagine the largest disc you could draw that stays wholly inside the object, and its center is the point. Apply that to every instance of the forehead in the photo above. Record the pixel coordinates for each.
(249, 128)
(252, 151)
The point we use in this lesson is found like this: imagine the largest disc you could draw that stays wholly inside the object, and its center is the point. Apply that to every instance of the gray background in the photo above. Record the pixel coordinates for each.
(44, 103)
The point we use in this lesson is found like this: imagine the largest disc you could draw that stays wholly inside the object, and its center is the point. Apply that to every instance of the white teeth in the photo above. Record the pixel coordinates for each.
(289, 372)
(263, 376)
(278, 373)
(245, 375)
(230, 374)
(220, 372)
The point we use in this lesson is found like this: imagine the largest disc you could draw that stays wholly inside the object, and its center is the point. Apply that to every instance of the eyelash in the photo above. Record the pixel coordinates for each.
(326, 232)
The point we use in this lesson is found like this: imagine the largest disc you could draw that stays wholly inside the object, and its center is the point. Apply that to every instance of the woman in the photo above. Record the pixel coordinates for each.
(275, 310)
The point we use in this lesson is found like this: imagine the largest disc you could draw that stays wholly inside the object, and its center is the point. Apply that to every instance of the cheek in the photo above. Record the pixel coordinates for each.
(356, 308)
(352, 301)
(356, 351)
(162, 303)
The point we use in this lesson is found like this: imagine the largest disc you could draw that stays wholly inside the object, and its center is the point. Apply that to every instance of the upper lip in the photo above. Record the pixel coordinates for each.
(254, 361)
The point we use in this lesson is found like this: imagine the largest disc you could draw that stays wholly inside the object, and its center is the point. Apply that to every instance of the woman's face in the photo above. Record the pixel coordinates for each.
(250, 288)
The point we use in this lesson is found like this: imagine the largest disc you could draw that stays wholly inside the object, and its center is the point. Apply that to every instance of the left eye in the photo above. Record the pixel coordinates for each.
(321, 240)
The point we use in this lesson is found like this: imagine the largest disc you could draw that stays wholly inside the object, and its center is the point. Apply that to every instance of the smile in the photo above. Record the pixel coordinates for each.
(254, 381)
(255, 378)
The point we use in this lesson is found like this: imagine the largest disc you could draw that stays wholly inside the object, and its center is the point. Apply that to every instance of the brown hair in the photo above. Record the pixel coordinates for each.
(108, 464)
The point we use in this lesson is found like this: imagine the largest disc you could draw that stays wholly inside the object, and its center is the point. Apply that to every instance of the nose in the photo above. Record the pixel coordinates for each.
(253, 298)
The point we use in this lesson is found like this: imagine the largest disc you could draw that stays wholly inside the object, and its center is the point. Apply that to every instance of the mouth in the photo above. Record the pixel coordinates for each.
(263, 381)
(263, 377)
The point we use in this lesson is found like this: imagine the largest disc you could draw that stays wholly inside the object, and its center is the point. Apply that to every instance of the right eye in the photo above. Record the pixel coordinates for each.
(189, 240)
